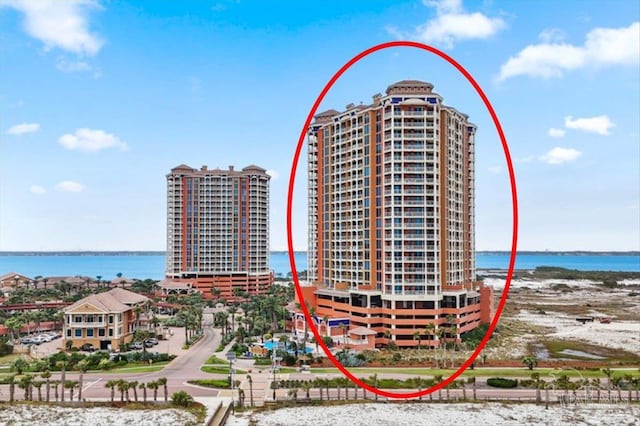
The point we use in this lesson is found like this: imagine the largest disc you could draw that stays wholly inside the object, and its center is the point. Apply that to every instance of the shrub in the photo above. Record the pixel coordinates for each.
(499, 382)
(5, 348)
(211, 383)
(181, 399)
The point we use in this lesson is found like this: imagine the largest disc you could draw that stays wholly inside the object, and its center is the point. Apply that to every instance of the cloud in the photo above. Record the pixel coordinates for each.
(70, 186)
(452, 24)
(274, 174)
(559, 155)
(68, 66)
(527, 159)
(551, 35)
(599, 124)
(23, 129)
(37, 189)
(89, 140)
(602, 47)
(59, 24)
(556, 133)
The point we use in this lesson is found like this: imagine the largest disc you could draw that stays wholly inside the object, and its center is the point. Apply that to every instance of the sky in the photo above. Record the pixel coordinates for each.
(100, 99)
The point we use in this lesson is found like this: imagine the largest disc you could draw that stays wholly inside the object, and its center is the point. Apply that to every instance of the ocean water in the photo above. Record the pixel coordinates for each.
(152, 265)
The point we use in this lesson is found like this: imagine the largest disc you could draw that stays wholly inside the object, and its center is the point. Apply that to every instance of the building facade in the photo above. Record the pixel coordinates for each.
(105, 320)
(391, 220)
(218, 230)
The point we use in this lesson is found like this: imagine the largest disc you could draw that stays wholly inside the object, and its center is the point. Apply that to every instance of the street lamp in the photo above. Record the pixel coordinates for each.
(274, 359)
(231, 356)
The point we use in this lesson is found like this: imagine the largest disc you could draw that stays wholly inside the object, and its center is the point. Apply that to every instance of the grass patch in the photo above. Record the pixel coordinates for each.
(478, 372)
(555, 348)
(211, 383)
(135, 369)
(213, 359)
(218, 369)
(8, 359)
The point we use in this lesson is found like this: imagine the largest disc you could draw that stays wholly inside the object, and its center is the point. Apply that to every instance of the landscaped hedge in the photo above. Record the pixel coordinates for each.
(499, 382)
(211, 383)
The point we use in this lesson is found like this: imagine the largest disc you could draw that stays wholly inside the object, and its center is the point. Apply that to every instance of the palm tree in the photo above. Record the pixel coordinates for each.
(134, 386)
(437, 379)
(162, 381)
(416, 336)
(122, 386)
(306, 387)
(530, 361)
(12, 387)
(55, 384)
(375, 384)
(154, 385)
(143, 386)
(608, 373)
(25, 383)
(472, 380)
(38, 385)
(111, 384)
(71, 385)
(82, 366)
(63, 364)
(233, 310)
(317, 382)
(250, 380)
(46, 375)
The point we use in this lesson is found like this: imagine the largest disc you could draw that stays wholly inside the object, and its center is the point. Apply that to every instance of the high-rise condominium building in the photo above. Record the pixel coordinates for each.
(218, 231)
(391, 221)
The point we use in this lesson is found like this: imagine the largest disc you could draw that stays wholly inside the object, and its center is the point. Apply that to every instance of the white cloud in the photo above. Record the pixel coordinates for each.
(90, 140)
(551, 35)
(37, 189)
(559, 155)
(274, 174)
(59, 24)
(527, 159)
(23, 129)
(452, 24)
(68, 66)
(603, 47)
(599, 124)
(70, 186)
(556, 133)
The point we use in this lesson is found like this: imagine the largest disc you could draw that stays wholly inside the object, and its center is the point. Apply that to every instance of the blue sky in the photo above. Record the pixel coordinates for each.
(100, 99)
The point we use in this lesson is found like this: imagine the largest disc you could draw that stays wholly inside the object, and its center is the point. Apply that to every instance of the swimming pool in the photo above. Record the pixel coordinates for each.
(270, 344)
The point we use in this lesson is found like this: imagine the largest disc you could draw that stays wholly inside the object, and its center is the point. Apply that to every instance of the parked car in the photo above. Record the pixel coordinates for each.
(136, 345)
(87, 347)
(148, 344)
(153, 340)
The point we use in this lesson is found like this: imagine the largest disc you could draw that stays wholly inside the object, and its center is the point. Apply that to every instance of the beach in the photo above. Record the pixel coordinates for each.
(411, 414)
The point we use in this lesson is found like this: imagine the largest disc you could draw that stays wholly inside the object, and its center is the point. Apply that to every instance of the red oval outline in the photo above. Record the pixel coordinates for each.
(514, 197)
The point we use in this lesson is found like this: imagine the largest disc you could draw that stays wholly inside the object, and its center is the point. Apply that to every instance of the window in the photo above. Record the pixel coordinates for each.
(78, 332)
(68, 332)
(110, 319)
(77, 318)
(101, 332)
(111, 332)
(89, 332)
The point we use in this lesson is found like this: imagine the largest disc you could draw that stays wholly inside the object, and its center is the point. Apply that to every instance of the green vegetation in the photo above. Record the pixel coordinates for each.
(499, 382)
(219, 369)
(608, 278)
(211, 383)
(181, 399)
(213, 359)
(556, 348)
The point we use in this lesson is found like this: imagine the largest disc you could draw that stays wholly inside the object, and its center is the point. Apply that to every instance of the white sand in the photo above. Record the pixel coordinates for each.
(35, 415)
(446, 414)
(499, 283)
(618, 334)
